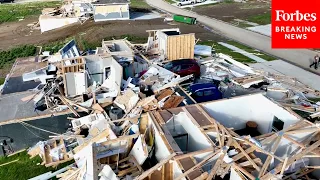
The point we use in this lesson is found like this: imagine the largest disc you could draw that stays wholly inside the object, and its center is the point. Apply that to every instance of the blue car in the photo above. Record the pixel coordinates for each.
(203, 92)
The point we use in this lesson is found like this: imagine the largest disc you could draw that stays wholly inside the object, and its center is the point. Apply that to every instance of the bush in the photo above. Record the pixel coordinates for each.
(8, 57)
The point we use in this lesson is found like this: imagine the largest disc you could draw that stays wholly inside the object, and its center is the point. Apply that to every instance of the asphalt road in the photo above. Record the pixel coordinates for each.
(298, 57)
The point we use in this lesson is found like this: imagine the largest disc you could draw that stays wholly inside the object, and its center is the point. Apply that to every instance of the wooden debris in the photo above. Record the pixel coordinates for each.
(9, 162)
(173, 102)
(164, 93)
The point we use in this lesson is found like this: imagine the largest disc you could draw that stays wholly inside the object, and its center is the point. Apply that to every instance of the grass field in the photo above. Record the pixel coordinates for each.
(221, 49)
(14, 12)
(25, 167)
(139, 4)
(261, 19)
(8, 57)
(251, 50)
(170, 1)
(2, 80)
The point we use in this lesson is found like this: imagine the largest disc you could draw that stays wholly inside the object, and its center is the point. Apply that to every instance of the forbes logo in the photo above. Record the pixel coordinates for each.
(281, 15)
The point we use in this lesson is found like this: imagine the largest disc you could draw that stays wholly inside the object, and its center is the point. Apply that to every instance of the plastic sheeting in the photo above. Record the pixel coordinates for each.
(202, 50)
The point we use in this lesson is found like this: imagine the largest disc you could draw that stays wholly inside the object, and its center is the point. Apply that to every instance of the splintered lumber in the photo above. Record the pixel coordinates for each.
(188, 163)
(151, 170)
(69, 106)
(103, 134)
(269, 158)
(121, 138)
(173, 102)
(292, 159)
(9, 162)
(234, 165)
(127, 171)
(220, 160)
(197, 166)
(193, 153)
(17, 152)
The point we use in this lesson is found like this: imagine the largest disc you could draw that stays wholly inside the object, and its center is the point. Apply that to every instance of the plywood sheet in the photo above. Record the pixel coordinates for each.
(188, 163)
(167, 114)
(201, 119)
(180, 47)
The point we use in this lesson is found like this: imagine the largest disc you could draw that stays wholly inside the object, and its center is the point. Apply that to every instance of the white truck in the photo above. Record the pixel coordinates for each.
(188, 2)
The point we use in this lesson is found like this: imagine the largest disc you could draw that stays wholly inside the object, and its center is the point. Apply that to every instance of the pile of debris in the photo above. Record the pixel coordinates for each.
(288, 91)
(127, 115)
(80, 11)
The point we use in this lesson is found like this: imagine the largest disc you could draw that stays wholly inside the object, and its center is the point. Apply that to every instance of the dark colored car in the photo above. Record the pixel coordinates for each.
(184, 67)
(203, 92)
(6, 1)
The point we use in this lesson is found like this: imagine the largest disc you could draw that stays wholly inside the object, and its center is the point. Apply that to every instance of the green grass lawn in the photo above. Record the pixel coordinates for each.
(14, 12)
(170, 1)
(261, 19)
(139, 4)
(8, 57)
(221, 49)
(25, 168)
(2, 80)
(251, 50)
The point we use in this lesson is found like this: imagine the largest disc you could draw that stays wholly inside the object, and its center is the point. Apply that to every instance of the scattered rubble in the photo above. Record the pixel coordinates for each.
(129, 122)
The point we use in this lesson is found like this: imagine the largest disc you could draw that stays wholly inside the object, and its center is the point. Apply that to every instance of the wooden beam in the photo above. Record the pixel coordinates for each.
(220, 160)
(269, 158)
(247, 156)
(9, 162)
(313, 129)
(121, 138)
(284, 166)
(69, 106)
(194, 153)
(190, 117)
(197, 165)
(250, 176)
(292, 159)
(151, 170)
(248, 163)
(194, 101)
(103, 134)
(294, 141)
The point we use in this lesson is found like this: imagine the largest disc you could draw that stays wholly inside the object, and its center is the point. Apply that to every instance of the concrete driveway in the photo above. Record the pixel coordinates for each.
(299, 57)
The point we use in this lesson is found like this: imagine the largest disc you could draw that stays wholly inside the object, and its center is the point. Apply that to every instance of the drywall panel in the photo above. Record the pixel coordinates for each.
(162, 42)
(177, 170)
(138, 151)
(180, 47)
(111, 12)
(196, 139)
(161, 150)
(234, 175)
(48, 23)
(237, 111)
(116, 72)
(76, 83)
(96, 69)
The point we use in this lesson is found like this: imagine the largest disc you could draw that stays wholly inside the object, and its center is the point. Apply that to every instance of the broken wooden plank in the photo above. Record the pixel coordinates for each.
(197, 165)
(164, 93)
(234, 165)
(173, 102)
(160, 164)
(9, 162)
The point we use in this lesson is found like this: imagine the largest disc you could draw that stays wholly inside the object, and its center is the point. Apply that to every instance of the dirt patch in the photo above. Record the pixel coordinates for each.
(229, 11)
(17, 33)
